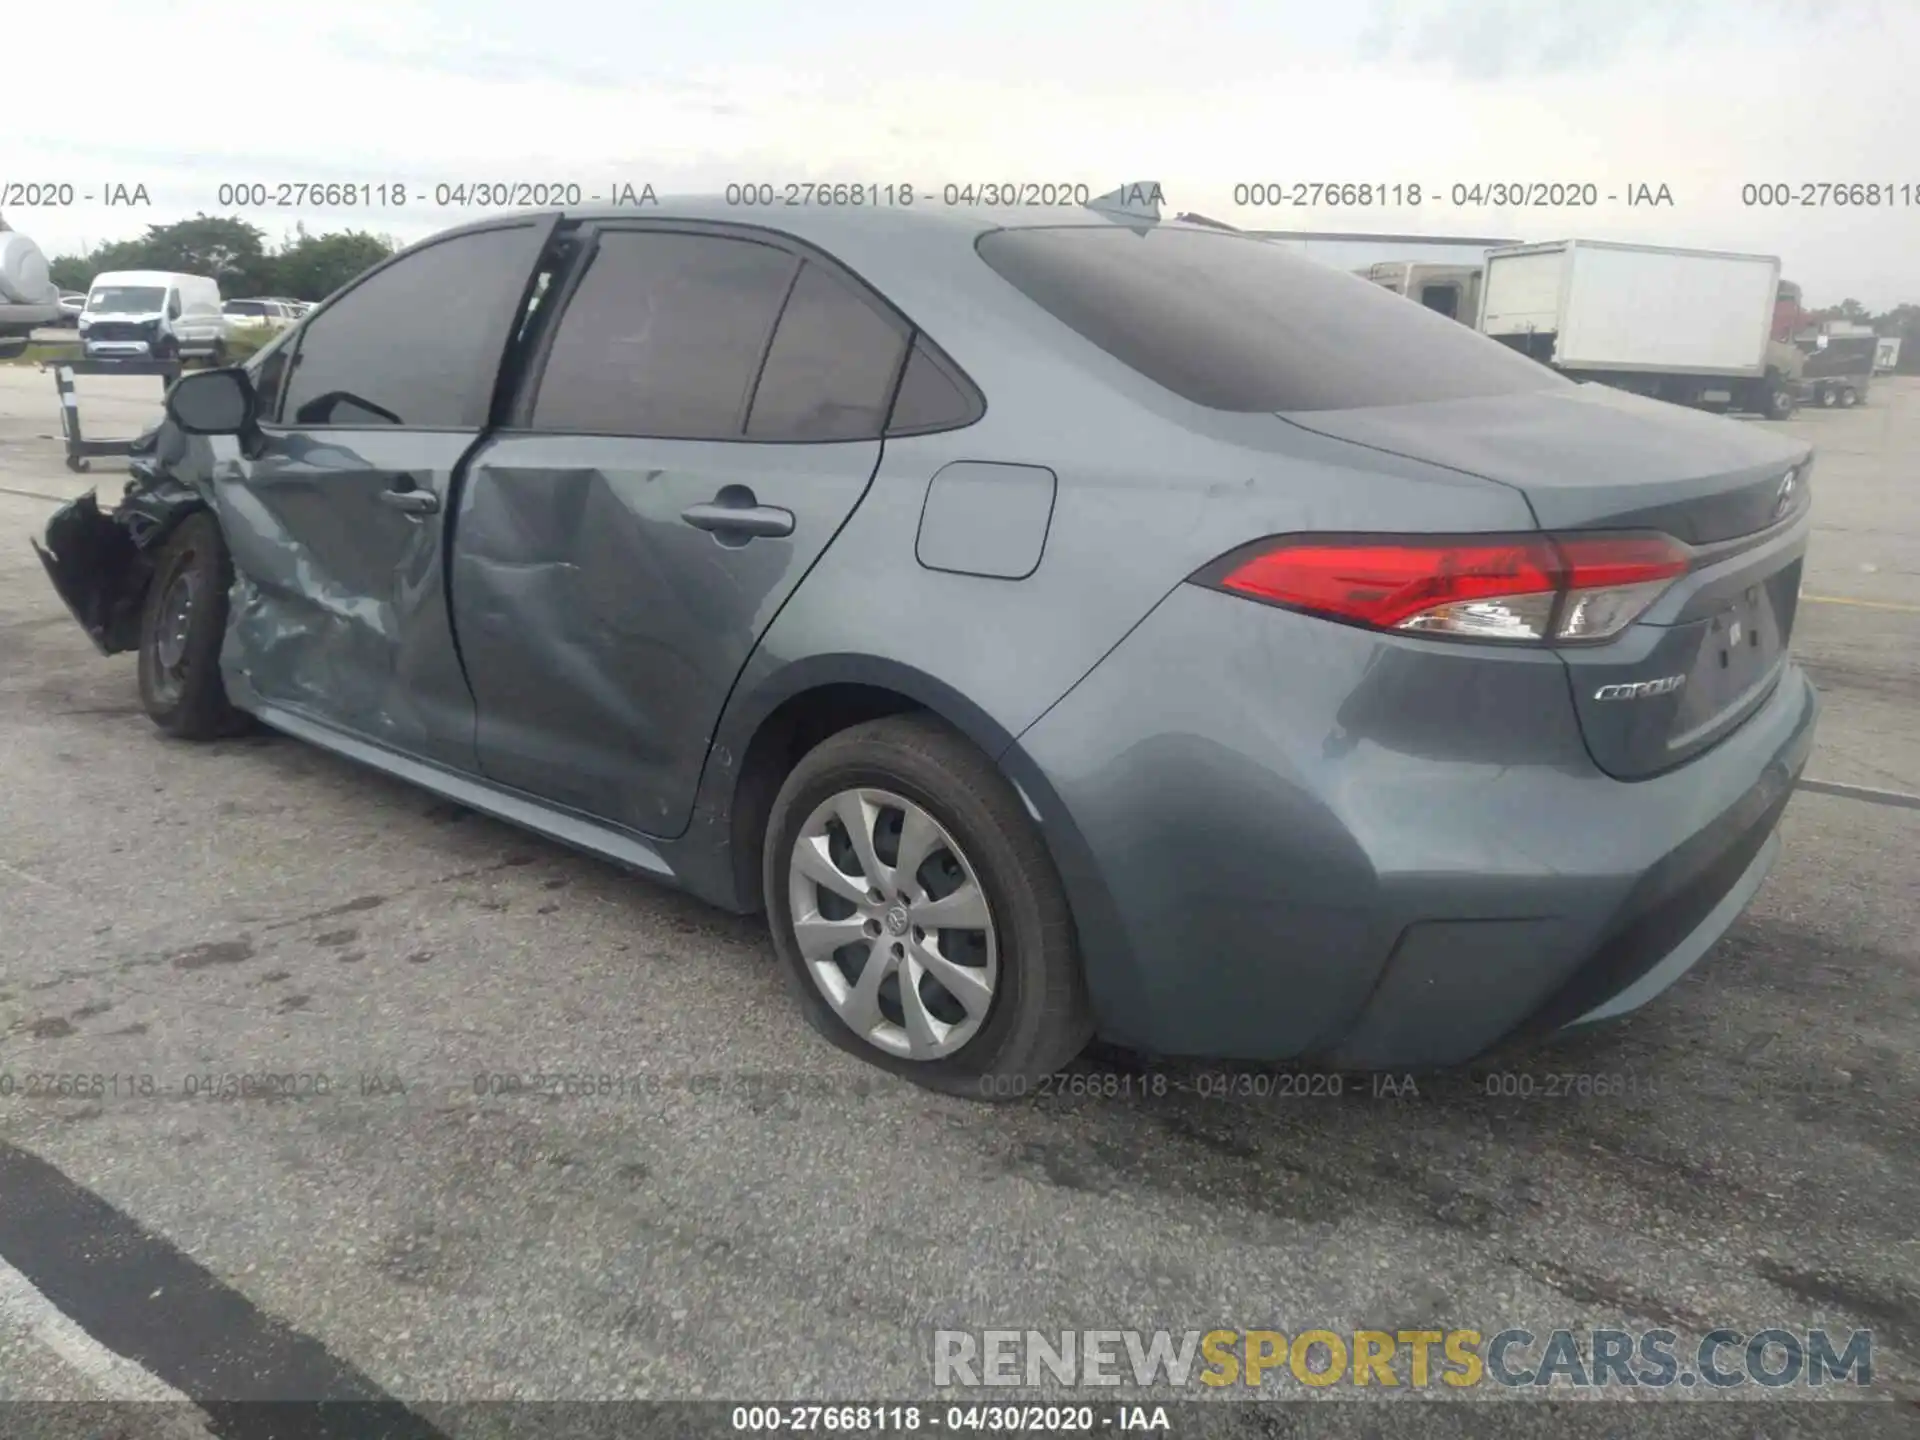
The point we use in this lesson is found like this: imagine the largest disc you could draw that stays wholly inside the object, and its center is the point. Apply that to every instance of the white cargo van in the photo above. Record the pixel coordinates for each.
(153, 314)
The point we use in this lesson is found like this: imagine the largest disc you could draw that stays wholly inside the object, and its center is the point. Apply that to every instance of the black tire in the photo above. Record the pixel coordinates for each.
(1040, 1017)
(1828, 397)
(1849, 397)
(180, 685)
(1779, 403)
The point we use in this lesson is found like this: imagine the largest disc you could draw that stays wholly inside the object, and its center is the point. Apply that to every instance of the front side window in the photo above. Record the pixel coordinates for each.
(418, 342)
(663, 337)
(1239, 324)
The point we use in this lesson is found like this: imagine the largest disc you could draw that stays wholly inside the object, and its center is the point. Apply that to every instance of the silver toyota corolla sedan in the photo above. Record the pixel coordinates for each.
(1058, 624)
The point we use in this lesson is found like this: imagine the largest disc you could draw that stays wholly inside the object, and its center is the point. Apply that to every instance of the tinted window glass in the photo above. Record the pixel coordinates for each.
(663, 337)
(269, 368)
(930, 398)
(246, 307)
(829, 374)
(418, 342)
(1236, 323)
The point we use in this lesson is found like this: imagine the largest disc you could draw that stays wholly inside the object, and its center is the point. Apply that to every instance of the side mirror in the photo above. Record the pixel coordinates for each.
(213, 402)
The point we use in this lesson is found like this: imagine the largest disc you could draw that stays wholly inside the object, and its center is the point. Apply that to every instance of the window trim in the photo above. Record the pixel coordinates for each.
(546, 222)
(519, 411)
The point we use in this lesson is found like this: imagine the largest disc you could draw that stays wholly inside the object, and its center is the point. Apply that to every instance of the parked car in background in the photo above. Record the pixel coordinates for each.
(153, 314)
(1380, 696)
(268, 314)
(296, 308)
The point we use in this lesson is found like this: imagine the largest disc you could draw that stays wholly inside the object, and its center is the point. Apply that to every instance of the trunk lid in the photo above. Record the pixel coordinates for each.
(1710, 650)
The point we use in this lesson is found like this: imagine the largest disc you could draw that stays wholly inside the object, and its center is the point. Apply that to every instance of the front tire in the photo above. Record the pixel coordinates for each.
(181, 627)
(1849, 398)
(918, 914)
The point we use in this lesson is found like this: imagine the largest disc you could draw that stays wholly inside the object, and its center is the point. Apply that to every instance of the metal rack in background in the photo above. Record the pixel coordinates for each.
(79, 448)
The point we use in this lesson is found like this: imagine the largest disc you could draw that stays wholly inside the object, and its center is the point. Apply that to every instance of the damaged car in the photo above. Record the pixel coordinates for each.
(1057, 625)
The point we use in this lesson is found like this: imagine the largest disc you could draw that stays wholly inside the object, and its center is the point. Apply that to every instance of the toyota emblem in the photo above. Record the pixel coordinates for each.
(1783, 502)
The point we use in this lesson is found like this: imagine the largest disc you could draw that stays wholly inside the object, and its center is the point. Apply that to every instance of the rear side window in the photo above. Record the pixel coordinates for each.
(831, 369)
(1235, 323)
(418, 342)
(663, 337)
(932, 396)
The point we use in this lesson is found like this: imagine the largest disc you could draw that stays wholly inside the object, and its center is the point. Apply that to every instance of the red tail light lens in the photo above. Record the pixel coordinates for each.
(1526, 588)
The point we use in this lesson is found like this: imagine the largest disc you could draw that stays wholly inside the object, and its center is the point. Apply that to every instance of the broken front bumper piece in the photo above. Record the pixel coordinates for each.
(101, 562)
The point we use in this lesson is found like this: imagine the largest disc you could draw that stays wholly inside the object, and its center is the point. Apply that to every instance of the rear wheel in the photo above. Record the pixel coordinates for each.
(1848, 398)
(181, 627)
(1829, 397)
(918, 913)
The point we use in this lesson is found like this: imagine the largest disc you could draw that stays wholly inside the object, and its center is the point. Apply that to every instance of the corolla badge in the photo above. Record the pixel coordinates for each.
(1641, 690)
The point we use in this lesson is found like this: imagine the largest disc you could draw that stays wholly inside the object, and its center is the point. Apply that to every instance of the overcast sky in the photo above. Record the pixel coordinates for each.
(1702, 96)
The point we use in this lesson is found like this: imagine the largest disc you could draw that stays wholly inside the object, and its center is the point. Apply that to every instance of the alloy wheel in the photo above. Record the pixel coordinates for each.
(892, 924)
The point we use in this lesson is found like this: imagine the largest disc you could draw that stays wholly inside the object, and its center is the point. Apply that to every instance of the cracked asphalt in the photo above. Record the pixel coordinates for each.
(750, 1214)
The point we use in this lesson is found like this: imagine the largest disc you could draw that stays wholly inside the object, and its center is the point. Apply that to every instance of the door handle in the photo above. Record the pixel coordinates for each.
(411, 501)
(738, 514)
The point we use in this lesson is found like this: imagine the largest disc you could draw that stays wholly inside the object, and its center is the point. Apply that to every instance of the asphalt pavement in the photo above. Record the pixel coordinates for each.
(738, 1210)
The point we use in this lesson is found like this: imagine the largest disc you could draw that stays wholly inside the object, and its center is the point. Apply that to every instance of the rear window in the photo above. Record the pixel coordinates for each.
(1238, 324)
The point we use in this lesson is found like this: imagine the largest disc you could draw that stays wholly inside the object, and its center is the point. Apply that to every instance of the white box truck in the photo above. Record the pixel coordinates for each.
(1694, 327)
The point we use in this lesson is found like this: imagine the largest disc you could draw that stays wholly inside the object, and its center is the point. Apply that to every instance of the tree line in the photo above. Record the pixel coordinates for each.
(301, 267)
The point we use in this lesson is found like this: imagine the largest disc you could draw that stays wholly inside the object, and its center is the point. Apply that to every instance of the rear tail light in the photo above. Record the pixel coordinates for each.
(1528, 588)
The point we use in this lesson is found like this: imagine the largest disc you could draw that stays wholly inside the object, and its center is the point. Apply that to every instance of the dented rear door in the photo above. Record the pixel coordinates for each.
(701, 422)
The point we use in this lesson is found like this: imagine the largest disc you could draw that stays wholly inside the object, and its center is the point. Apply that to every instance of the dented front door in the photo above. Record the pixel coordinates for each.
(337, 520)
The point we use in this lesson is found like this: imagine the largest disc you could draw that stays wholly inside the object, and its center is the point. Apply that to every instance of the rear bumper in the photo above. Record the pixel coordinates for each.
(1286, 839)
